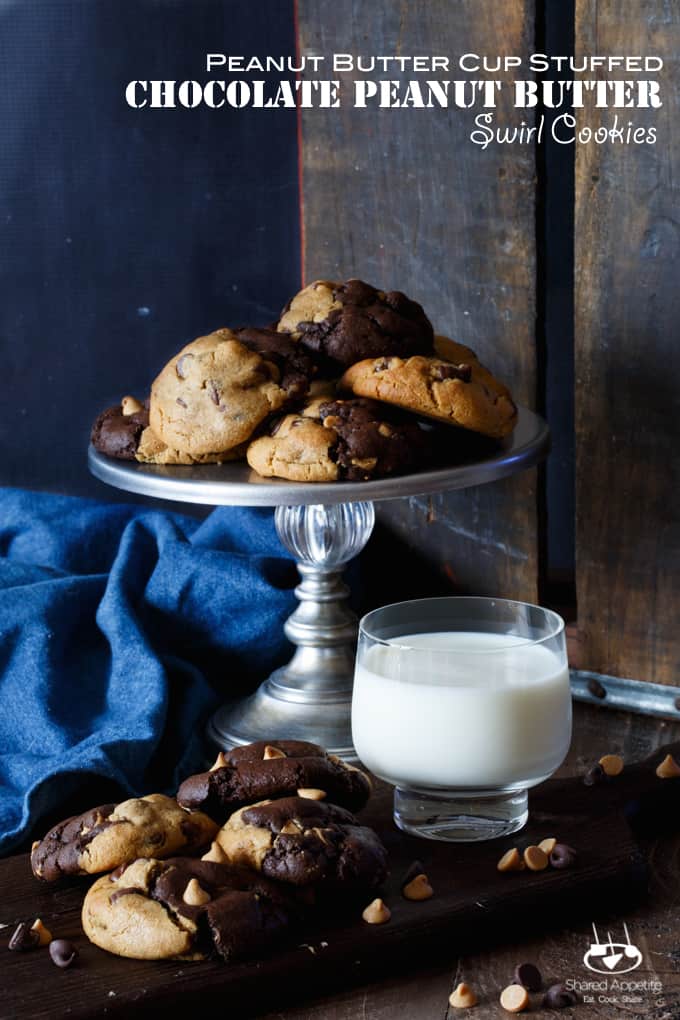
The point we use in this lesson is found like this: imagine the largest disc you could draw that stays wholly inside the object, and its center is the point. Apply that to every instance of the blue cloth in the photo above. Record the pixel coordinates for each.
(120, 630)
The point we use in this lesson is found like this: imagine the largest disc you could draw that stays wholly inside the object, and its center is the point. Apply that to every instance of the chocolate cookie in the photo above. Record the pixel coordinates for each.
(110, 835)
(305, 843)
(212, 396)
(156, 910)
(436, 389)
(347, 322)
(333, 440)
(262, 771)
(118, 430)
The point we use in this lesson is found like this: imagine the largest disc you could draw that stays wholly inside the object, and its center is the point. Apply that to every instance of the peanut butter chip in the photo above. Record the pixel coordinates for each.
(547, 845)
(273, 752)
(130, 405)
(215, 854)
(514, 998)
(669, 768)
(418, 888)
(194, 895)
(376, 912)
(462, 997)
(612, 764)
(220, 762)
(34, 844)
(44, 934)
(311, 794)
(290, 829)
(535, 858)
(511, 861)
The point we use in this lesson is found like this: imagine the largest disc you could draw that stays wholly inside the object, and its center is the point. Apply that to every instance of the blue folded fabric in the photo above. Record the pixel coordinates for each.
(121, 629)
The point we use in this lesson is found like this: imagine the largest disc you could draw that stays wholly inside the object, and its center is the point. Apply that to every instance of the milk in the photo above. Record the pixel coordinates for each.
(447, 715)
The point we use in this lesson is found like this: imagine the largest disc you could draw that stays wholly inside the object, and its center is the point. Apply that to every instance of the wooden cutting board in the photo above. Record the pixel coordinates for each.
(474, 906)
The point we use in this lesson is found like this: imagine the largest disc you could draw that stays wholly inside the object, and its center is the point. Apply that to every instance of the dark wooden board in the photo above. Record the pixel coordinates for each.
(405, 200)
(627, 251)
(474, 905)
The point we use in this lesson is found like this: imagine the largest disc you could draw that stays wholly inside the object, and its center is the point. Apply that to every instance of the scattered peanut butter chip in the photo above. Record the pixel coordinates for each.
(34, 844)
(311, 794)
(220, 762)
(418, 888)
(669, 768)
(612, 764)
(376, 912)
(290, 829)
(130, 405)
(44, 934)
(273, 752)
(462, 997)
(194, 895)
(514, 998)
(547, 845)
(215, 854)
(511, 861)
(535, 858)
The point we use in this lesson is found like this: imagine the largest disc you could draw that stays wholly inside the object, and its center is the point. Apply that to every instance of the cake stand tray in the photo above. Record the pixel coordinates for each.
(324, 525)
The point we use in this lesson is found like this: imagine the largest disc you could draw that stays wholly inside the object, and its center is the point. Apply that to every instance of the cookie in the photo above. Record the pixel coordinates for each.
(262, 771)
(110, 835)
(348, 322)
(436, 389)
(185, 908)
(459, 354)
(152, 450)
(118, 430)
(211, 397)
(331, 440)
(305, 843)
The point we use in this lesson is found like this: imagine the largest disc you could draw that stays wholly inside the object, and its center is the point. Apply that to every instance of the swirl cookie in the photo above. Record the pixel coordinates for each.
(348, 322)
(158, 910)
(436, 389)
(211, 397)
(333, 440)
(305, 843)
(262, 771)
(110, 835)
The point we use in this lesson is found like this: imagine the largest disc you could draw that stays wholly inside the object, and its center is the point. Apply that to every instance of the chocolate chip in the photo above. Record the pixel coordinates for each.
(563, 856)
(417, 868)
(23, 938)
(559, 997)
(595, 775)
(63, 952)
(441, 372)
(382, 365)
(182, 403)
(596, 689)
(179, 367)
(214, 393)
(529, 976)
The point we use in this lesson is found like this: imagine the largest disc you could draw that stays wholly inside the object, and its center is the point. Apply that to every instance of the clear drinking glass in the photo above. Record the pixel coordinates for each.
(462, 704)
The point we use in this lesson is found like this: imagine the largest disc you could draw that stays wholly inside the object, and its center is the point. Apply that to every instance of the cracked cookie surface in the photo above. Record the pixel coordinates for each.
(331, 440)
(305, 843)
(212, 396)
(346, 322)
(186, 908)
(110, 835)
(436, 389)
(244, 775)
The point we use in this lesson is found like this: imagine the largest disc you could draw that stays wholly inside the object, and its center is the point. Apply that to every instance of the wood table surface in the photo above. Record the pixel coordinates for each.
(654, 926)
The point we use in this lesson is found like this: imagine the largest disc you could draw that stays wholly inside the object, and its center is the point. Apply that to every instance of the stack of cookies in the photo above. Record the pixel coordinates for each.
(240, 859)
(350, 384)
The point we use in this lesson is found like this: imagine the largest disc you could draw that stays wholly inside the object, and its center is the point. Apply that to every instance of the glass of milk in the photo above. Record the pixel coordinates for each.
(462, 704)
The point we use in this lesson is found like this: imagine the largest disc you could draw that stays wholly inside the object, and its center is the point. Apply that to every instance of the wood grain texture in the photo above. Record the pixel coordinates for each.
(405, 200)
(627, 249)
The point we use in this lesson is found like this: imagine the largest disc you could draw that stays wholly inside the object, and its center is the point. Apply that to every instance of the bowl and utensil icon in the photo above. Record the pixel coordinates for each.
(606, 957)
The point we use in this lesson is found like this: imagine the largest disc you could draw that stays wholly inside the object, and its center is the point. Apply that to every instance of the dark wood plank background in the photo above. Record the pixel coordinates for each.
(406, 201)
(627, 251)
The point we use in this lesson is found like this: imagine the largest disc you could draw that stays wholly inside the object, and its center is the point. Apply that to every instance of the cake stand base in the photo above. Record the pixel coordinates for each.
(311, 697)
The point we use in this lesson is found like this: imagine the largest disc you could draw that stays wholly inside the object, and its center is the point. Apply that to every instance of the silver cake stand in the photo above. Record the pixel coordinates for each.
(324, 526)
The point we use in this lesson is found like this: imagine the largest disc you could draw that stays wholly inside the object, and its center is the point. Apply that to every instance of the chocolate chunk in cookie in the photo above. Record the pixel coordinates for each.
(118, 430)
(110, 835)
(306, 843)
(296, 365)
(212, 396)
(154, 910)
(348, 322)
(248, 774)
(435, 388)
